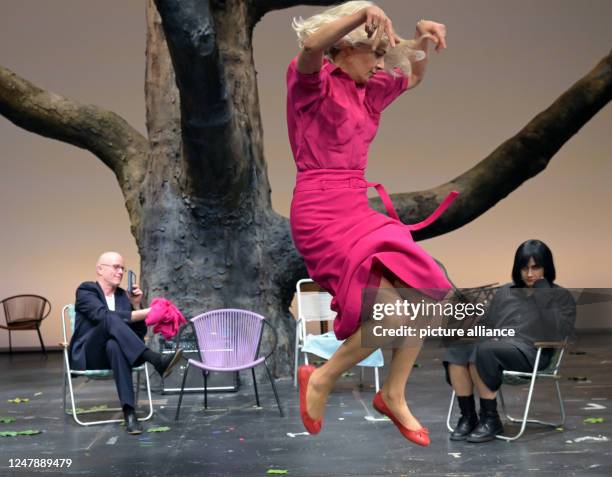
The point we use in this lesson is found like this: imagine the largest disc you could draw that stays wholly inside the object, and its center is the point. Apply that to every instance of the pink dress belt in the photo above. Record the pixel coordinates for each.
(305, 183)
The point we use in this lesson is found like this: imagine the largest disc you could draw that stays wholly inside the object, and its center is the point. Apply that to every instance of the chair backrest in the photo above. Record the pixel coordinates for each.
(228, 338)
(313, 304)
(25, 308)
(68, 315)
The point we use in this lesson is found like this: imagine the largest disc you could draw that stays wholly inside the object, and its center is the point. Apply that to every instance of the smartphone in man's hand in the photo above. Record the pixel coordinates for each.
(131, 281)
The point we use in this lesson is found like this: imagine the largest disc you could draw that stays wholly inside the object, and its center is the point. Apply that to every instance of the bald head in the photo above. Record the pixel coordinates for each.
(109, 257)
(110, 268)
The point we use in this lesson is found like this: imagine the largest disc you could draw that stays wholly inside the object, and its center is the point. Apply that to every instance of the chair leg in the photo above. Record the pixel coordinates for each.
(137, 396)
(255, 386)
(562, 423)
(524, 420)
(178, 407)
(205, 374)
(64, 393)
(450, 412)
(10, 344)
(296, 361)
(42, 345)
(148, 383)
(376, 380)
(280, 409)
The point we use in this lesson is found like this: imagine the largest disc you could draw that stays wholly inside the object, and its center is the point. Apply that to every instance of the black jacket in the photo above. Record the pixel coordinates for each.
(546, 314)
(90, 310)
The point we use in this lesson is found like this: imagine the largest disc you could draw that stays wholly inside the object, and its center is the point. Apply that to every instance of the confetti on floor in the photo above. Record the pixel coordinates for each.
(593, 420)
(159, 429)
(29, 432)
(18, 400)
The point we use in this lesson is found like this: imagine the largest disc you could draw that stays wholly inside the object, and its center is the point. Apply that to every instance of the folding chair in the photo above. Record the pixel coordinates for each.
(94, 374)
(228, 341)
(530, 377)
(313, 305)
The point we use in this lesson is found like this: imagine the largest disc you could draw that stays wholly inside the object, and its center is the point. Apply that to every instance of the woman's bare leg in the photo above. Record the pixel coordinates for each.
(348, 355)
(394, 388)
(460, 379)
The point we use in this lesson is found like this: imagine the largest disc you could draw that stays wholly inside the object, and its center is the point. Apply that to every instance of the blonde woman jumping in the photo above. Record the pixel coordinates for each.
(351, 66)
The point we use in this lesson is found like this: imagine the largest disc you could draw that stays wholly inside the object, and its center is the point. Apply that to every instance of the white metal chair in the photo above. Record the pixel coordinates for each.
(68, 317)
(313, 305)
(530, 377)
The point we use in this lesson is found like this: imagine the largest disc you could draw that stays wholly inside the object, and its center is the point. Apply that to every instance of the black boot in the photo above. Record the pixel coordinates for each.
(163, 363)
(490, 424)
(132, 425)
(468, 420)
(168, 361)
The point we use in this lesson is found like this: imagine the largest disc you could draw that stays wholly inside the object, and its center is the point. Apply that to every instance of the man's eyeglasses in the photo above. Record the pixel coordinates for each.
(115, 267)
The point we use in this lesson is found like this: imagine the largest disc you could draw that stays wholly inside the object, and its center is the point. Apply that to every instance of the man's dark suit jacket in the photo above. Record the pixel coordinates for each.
(90, 310)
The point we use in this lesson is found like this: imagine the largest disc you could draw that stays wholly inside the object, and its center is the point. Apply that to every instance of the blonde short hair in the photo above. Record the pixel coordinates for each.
(404, 53)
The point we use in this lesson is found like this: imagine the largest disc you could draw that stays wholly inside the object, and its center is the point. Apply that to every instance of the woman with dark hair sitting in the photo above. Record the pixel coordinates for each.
(533, 315)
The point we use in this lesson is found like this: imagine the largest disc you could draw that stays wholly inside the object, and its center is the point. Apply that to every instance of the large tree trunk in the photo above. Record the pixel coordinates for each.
(208, 235)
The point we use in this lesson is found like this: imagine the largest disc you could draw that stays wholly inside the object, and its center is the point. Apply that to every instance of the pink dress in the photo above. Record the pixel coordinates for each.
(346, 244)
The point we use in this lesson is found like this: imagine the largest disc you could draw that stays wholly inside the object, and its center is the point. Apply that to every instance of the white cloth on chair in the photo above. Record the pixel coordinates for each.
(325, 346)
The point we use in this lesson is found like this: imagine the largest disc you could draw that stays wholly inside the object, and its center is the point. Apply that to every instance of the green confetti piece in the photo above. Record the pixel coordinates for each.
(593, 420)
(18, 400)
(159, 429)
(29, 432)
(37, 394)
(277, 471)
(348, 374)
(559, 429)
(6, 420)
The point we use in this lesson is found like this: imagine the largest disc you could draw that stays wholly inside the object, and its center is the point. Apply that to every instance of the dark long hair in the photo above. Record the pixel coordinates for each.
(542, 256)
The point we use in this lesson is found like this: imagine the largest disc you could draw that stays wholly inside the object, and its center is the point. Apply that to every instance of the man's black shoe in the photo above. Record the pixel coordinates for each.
(488, 427)
(169, 361)
(132, 425)
(464, 427)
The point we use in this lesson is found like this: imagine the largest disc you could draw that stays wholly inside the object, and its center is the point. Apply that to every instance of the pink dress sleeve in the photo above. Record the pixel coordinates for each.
(383, 88)
(304, 90)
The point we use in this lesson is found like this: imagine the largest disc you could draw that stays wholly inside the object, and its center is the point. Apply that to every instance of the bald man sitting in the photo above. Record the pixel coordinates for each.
(109, 333)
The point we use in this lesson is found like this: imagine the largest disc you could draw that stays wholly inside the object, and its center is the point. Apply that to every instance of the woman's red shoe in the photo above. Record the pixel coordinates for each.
(304, 373)
(420, 436)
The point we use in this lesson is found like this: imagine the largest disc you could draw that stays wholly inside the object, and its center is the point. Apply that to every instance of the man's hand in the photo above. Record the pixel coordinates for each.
(135, 296)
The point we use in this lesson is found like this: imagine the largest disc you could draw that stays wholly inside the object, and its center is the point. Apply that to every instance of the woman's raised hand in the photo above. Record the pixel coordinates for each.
(435, 30)
(377, 23)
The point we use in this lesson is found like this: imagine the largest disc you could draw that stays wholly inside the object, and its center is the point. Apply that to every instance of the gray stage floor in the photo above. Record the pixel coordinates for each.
(234, 438)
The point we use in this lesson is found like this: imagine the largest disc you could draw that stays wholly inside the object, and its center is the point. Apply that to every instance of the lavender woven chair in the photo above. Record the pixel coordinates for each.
(229, 340)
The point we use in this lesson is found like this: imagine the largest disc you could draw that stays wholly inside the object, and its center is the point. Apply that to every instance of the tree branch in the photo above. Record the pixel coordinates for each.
(513, 162)
(102, 132)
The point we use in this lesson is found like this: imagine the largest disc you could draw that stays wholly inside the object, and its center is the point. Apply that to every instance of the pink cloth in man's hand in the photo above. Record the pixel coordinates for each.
(165, 318)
